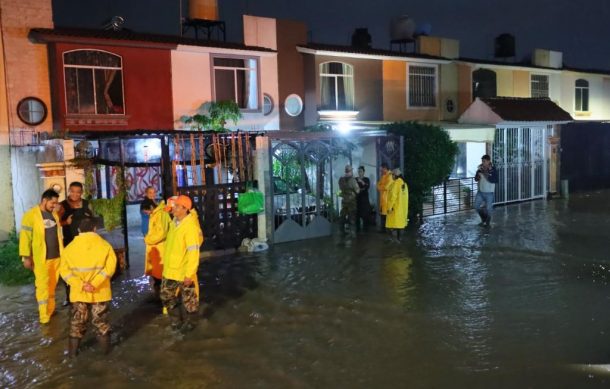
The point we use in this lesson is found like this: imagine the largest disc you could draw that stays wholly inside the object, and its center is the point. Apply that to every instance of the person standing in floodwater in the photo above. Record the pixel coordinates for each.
(87, 264)
(40, 247)
(383, 187)
(71, 211)
(180, 264)
(363, 203)
(349, 192)
(398, 205)
(487, 178)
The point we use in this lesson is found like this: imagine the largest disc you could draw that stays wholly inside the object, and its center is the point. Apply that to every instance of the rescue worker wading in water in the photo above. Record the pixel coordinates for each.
(87, 264)
(180, 264)
(158, 226)
(40, 246)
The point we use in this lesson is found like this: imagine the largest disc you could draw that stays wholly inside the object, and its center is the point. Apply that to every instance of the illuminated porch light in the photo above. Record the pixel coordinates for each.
(332, 115)
(344, 127)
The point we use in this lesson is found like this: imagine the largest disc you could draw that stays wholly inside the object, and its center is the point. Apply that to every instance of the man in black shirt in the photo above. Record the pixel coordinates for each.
(72, 210)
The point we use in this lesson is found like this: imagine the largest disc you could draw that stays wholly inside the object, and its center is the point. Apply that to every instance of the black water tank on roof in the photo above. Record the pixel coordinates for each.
(361, 38)
(505, 46)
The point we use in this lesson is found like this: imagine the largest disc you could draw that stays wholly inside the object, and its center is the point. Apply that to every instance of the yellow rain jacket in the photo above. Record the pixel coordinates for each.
(383, 187)
(398, 204)
(88, 258)
(158, 226)
(181, 251)
(32, 244)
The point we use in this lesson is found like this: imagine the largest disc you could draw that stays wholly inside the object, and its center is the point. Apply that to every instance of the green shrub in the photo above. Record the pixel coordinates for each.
(12, 271)
(429, 156)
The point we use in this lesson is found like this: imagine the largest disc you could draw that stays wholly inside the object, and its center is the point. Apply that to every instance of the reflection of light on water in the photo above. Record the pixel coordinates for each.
(396, 274)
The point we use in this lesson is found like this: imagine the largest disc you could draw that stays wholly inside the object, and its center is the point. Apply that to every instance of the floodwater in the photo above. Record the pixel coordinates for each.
(523, 304)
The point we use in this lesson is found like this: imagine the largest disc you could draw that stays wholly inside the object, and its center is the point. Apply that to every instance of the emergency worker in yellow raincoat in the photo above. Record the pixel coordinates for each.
(158, 227)
(383, 187)
(87, 264)
(398, 204)
(180, 264)
(40, 247)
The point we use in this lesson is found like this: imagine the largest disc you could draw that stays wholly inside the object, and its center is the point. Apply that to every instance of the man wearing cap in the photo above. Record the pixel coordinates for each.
(398, 205)
(180, 262)
(349, 193)
(40, 247)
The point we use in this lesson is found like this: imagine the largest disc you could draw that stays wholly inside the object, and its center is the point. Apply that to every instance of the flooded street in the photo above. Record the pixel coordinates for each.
(525, 303)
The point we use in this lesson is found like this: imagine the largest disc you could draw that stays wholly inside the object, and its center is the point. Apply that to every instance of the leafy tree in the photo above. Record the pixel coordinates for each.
(214, 116)
(429, 156)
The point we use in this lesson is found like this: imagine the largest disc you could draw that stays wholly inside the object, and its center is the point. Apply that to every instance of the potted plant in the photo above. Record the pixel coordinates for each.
(213, 116)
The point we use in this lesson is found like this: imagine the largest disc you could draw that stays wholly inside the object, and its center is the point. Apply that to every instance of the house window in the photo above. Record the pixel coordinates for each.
(484, 84)
(94, 83)
(540, 85)
(236, 79)
(581, 98)
(422, 86)
(336, 86)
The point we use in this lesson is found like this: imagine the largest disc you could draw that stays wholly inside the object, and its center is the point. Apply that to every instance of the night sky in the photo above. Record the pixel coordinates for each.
(578, 28)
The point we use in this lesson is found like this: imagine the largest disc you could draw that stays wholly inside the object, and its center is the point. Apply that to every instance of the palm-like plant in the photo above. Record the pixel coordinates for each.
(214, 116)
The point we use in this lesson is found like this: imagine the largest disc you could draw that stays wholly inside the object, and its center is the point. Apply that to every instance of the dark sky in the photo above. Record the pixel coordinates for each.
(579, 28)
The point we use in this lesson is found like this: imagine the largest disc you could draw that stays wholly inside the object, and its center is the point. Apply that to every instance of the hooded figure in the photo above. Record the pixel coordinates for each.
(398, 204)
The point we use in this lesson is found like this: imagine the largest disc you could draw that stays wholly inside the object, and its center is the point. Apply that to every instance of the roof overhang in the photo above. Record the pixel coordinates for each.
(223, 50)
(340, 54)
(533, 69)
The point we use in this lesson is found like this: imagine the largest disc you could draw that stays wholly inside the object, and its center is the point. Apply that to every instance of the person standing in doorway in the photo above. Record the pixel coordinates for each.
(383, 187)
(146, 207)
(87, 264)
(71, 211)
(180, 264)
(487, 178)
(349, 192)
(40, 247)
(398, 205)
(363, 204)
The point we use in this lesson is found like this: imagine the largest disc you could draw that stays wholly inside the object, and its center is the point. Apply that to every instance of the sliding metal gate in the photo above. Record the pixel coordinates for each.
(519, 155)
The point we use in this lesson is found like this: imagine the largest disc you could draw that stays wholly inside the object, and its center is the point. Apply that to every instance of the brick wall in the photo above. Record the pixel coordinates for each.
(27, 67)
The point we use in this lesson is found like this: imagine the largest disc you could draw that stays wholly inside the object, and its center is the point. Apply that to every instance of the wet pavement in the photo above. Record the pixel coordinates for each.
(524, 303)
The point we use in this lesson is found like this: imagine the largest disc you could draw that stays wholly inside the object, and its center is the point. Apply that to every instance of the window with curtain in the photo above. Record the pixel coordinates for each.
(236, 79)
(336, 86)
(581, 97)
(422, 86)
(93, 82)
(539, 85)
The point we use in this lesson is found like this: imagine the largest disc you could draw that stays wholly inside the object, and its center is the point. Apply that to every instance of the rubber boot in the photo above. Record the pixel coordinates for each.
(73, 344)
(175, 316)
(190, 321)
(488, 220)
(104, 341)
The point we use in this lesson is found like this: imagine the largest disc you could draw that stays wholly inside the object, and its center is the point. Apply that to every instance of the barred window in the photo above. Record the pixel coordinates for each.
(93, 82)
(422, 86)
(540, 85)
(581, 97)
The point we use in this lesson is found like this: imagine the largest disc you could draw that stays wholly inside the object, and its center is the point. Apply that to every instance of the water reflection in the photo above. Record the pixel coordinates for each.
(454, 305)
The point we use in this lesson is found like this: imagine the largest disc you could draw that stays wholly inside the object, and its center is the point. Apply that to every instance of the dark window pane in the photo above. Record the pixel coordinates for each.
(230, 62)
(582, 83)
(585, 99)
(242, 89)
(224, 84)
(92, 58)
(71, 90)
(109, 91)
(328, 91)
(84, 80)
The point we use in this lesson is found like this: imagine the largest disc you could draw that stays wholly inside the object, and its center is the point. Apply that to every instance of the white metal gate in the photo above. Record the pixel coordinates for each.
(519, 155)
